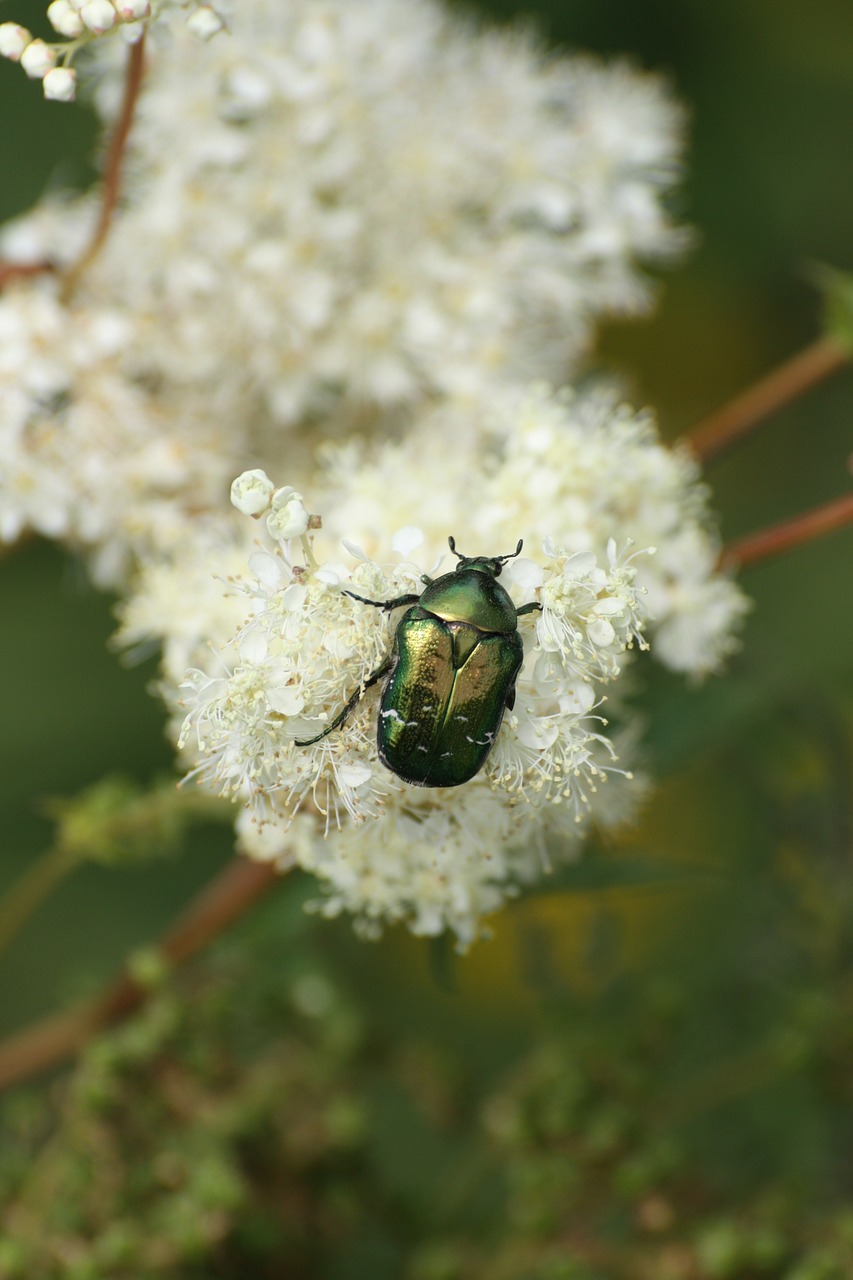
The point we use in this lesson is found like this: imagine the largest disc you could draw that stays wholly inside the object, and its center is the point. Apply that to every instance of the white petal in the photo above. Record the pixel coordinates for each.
(288, 700)
(526, 574)
(581, 563)
(537, 734)
(266, 568)
(332, 573)
(578, 699)
(354, 774)
(608, 607)
(252, 647)
(354, 549)
(601, 633)
(293, 597)
(406, 539)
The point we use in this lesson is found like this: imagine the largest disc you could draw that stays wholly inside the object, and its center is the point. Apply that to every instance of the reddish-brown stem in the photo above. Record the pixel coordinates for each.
(111, 182)
(10, 271)
(45, 1044)
(788, 534)
(725, 426)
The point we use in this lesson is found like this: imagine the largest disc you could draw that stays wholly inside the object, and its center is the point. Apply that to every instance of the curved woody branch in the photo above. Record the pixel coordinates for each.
(110, 188)
(47, 1043)
(788, 534)
(111, 185)
(733, 421)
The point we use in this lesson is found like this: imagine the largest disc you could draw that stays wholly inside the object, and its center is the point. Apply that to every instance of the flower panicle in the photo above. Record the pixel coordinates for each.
(308, 645)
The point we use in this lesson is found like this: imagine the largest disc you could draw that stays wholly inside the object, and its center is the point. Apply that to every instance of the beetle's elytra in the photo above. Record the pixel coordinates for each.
(450, 675)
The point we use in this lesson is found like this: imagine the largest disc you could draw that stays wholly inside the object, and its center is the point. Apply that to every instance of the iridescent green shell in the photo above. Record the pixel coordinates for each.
(449, 684)
(470, 595)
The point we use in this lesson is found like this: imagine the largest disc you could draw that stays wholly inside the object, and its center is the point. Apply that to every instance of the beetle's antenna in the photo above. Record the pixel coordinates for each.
(451, 542)
(512, 554)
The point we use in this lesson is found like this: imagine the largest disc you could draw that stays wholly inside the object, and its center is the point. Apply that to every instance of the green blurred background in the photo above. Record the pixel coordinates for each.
(743, 905)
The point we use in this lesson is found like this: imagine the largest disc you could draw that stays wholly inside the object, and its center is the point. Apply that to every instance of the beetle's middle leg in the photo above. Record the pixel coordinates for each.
(351, 703)
(387, 605)
(533, 607)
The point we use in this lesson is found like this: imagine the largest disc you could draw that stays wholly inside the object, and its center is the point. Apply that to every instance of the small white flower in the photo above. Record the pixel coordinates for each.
(64, 18)
(251, 492)
(205, 23)
(14, 39)
(37, 59)
(407, 540)
(60, 85)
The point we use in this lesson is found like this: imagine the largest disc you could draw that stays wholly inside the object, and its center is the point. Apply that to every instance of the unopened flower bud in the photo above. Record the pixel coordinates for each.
(99, 16)
(132, 10)
(251, 492)
(37, 59)
(60, 84)
(205, 23)
(64, 18)
(14, 39)
(288, 518)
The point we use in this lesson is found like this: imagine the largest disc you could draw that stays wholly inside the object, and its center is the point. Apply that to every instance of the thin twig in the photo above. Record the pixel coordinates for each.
(789, 533)
(111, 182)
(724, 427)
(31, 888)
(47, 1043)
(10, 271)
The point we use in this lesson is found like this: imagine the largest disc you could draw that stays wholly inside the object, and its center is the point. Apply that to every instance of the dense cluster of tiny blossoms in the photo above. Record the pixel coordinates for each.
(580, 468)
(402, 852)
(277, 648)
(368, 206)
(87, 456)
(382, 204)
(373, 224)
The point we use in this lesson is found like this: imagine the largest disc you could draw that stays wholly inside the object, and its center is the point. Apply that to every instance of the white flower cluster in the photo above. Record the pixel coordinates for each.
(371, 203)
(580, 468)
(352, 231)
(83, 21)
(367, 207)
(577, 468)
(86, 457)
(576, 477)
(305, 646)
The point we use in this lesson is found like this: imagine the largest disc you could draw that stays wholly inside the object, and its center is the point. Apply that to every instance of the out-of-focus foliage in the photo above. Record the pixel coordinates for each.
(262, 1118)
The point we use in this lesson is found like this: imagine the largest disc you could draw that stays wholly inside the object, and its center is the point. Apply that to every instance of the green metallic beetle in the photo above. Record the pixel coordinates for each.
(450, 675)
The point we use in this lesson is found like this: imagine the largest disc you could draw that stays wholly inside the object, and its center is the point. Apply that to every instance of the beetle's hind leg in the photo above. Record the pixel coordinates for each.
(351, 703)
(387, 605)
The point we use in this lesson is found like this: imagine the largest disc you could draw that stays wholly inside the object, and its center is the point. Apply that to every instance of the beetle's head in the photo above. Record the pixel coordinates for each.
(483, 564)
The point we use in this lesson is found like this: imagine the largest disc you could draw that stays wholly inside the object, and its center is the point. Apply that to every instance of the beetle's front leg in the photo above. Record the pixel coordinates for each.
(351, 703)
(387, 605)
